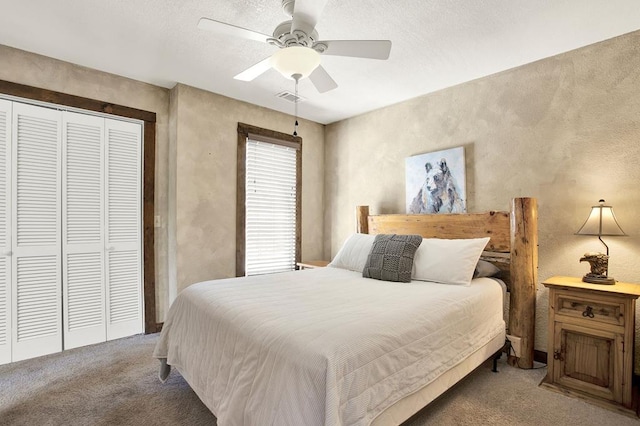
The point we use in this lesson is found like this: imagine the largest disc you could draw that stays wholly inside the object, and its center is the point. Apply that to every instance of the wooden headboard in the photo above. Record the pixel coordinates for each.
(513, 248)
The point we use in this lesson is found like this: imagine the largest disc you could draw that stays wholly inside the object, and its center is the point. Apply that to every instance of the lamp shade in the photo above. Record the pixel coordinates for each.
(601, 221)
(295, 60)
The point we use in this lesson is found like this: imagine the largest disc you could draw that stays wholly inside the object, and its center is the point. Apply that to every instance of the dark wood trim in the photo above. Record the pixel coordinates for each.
(44, 95)
(244, 130)
(248, 129)
(148, 179)
(148, 214)
(241, 212)
(298, 202)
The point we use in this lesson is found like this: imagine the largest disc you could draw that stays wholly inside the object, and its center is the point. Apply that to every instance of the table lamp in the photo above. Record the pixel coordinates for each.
(601, 221)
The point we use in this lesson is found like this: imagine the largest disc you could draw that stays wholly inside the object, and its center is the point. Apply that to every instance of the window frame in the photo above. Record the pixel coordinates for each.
(246, 131)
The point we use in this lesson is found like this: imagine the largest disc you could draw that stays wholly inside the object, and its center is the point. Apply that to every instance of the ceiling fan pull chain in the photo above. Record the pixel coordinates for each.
(295, 126)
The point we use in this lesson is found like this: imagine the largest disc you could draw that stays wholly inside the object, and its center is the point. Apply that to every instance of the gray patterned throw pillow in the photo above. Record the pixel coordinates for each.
(391, 257)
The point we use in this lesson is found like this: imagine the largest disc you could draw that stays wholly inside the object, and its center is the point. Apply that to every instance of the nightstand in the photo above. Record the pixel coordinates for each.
(590, 346)
(311, 264)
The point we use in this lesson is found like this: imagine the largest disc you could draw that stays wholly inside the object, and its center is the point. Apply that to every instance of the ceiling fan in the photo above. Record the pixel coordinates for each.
(300, 46)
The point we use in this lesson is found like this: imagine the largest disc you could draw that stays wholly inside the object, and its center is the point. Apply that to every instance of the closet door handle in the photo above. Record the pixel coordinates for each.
(111, 248)
(7, 253)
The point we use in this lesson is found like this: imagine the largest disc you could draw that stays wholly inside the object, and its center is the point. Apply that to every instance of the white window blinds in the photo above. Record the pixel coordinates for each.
(270, 208)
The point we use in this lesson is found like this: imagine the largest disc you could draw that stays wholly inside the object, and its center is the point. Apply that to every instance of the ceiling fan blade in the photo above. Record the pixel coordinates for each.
(230, 30)
(322, 80)
(255, 70)
(306, 14)
(371, 49)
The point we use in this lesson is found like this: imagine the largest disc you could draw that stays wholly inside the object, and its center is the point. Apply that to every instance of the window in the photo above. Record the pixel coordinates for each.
(268, 222)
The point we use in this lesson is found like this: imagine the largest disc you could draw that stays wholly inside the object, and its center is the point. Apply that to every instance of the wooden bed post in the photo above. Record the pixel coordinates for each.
(524, 275)
(362, 219)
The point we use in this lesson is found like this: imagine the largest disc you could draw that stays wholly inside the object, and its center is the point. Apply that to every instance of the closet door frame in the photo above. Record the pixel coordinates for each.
(148, 174)
(5, 238)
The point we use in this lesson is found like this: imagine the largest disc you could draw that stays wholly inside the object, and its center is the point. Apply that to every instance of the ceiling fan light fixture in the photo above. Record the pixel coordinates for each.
(295, 60)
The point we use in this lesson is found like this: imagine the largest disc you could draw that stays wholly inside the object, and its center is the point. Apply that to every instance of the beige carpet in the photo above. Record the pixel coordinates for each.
(115, 383)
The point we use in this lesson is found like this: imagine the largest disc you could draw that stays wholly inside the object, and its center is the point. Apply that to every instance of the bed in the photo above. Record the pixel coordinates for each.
(329, 347)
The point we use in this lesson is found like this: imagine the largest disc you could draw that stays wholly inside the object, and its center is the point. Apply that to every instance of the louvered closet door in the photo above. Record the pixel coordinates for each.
(5, 232)
(36, 267)
(84, 319)
(123, 234)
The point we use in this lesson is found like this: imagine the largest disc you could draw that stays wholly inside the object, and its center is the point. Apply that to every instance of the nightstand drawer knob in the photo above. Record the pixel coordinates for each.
(588, 312)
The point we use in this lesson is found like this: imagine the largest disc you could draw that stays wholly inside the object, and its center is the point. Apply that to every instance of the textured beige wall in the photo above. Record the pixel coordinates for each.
(195, 165)
(38, 71)
(205, 167)
(565, 130)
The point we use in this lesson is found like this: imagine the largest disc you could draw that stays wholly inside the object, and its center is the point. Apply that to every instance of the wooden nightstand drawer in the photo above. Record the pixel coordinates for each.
(598, 308)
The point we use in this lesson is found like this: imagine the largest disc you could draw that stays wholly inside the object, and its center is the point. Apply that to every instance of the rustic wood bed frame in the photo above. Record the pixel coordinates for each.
(513, 248)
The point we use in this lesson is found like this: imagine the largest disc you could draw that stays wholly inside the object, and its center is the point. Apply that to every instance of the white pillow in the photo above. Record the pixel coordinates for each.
(447, 261)
(485, 269)
(354, 252)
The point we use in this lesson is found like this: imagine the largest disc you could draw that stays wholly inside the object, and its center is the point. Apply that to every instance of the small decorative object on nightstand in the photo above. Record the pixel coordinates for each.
(311, 264)
(601, 221)
(590, 341)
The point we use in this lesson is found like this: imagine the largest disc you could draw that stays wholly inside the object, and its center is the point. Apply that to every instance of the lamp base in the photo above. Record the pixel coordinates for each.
(598, 279)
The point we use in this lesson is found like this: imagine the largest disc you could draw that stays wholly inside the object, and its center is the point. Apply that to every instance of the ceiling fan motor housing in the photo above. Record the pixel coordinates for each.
(282, 36)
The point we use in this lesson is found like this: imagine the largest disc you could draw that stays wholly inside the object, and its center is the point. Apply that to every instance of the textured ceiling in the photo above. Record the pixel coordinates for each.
(436, 43)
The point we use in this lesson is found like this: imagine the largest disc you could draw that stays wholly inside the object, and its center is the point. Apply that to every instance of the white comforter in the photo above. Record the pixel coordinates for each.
(322, 346)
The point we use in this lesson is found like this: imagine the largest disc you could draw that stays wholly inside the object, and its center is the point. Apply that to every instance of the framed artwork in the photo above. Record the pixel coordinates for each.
(436, 182)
